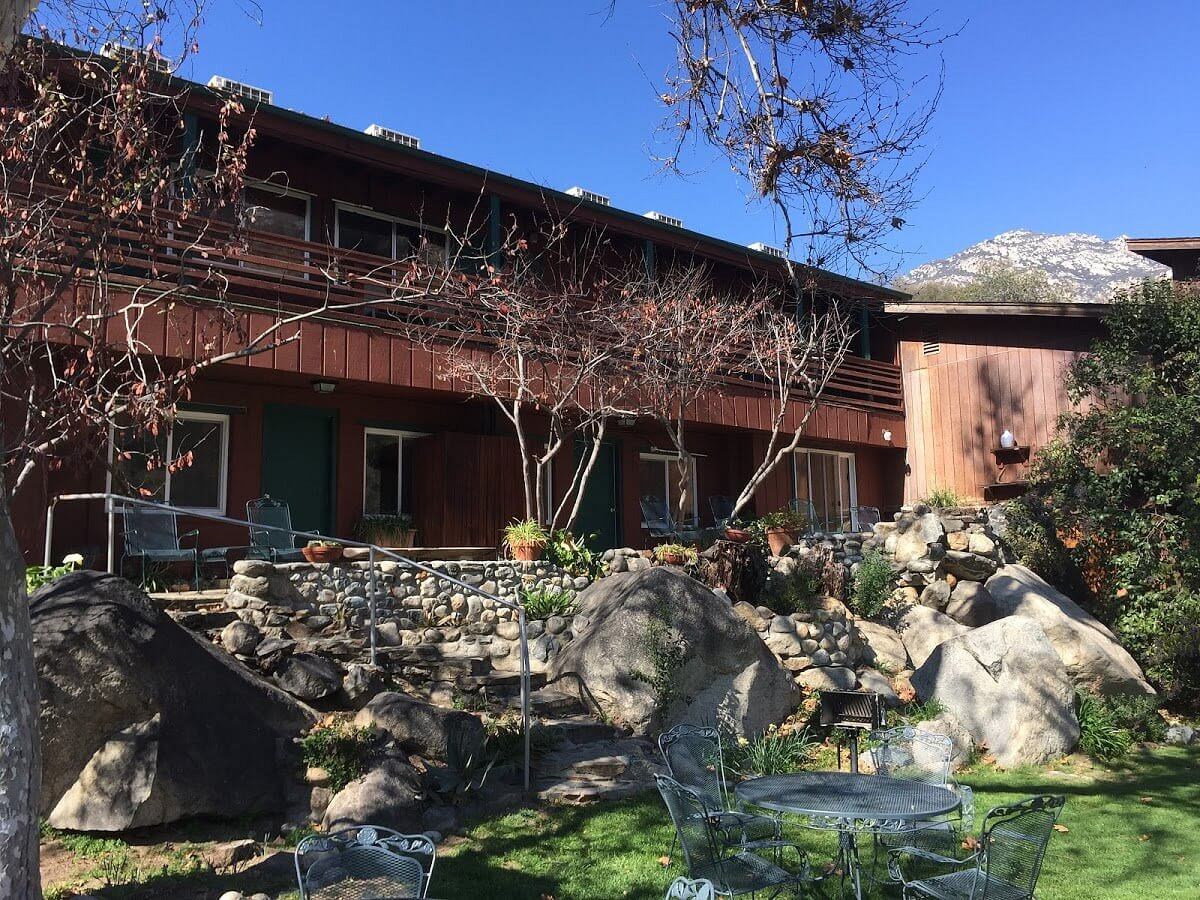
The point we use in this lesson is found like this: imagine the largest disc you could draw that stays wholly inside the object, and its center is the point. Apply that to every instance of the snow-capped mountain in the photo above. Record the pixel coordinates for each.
(1086, 264)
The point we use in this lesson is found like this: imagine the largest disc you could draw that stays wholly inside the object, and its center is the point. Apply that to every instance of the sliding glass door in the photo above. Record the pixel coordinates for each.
(825, 479)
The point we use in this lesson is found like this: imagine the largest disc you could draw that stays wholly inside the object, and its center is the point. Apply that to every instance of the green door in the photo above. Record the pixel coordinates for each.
(299, 457)
(598, 512)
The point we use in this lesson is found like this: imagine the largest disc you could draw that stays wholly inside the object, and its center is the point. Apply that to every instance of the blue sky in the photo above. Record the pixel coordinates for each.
(1059, 116)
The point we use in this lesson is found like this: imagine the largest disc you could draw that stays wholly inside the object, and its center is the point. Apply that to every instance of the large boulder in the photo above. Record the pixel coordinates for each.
(885, 645)
(388, 795)
(922, 629)
(1089, 651)
(143, 723)
(1007, 687)
(916, 539)
(419, 727)
(655, 648)
(309, 676)
(970, 604)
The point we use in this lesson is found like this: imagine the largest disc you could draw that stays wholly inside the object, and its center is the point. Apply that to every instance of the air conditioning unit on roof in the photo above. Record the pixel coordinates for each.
(122, 53)
(249, 91)
(768, 249)
(585, 194)
(664, 218)
(396, 137)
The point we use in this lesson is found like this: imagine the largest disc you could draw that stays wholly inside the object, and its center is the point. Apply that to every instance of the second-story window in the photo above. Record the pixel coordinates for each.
(277, 211)
(370, 232)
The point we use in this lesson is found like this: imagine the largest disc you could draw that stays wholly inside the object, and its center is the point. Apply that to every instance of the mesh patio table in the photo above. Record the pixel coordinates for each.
(850, 803)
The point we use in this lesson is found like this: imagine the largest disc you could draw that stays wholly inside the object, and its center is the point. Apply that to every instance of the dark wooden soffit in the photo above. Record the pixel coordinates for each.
(1057, 310)
(1180, 253)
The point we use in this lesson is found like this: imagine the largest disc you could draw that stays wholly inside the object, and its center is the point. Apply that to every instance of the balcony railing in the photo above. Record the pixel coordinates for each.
(270, 268)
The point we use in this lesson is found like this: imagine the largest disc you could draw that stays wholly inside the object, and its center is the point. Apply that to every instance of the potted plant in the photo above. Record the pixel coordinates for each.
(738, 535)
(387, 530)
(674, 554)
(781, 528)
(526, 540)
(320, 551)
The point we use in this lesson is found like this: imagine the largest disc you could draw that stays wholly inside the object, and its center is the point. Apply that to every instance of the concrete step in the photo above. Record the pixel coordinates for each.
(599, 770)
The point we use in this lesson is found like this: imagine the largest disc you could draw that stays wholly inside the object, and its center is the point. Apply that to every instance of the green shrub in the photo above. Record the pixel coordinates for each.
(798, 596)
(940, 498)
(1101, 734)
(874, 580)
(572, 554)
(915, 712)
(340, 749)
(544, 601)
(773, 752)
(36, 576)
(787, 519)
(377, 528)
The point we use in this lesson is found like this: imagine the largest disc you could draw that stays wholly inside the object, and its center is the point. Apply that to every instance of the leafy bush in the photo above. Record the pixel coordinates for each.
(1101, 734)
(874, 580)
(527, 532)
(544, 601)
(340, 749)
(36, 576)
(787, 519)
(572, 555)
(940, 498)
(1120, 486)
(773, 752)
(378, 527)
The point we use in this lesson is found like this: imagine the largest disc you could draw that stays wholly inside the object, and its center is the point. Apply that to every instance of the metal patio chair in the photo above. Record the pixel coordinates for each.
(153, 534)
(267, 543)
(694, 758)
(659, 522)
(364, 862)
(917, 755)
(686, 889)
(865, 517)
(722, 510)
(1012, 846)
(734, 870)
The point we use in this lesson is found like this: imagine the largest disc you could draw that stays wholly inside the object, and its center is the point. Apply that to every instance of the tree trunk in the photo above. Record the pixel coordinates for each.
(20, 763)
(738, 569)
(13, 16)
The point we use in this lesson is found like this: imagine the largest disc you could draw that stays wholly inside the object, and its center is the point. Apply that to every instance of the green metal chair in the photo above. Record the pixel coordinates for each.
(734, 870)
(1012, 847)
(662, 525)
(267, 543)
(687, 889)
(153, 534)
(694, 758)
(364, 862)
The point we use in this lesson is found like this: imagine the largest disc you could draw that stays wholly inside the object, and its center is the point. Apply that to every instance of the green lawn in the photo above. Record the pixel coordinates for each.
(1133, 831)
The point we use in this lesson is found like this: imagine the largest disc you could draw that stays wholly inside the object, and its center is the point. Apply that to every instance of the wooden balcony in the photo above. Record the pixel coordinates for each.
(268, 273)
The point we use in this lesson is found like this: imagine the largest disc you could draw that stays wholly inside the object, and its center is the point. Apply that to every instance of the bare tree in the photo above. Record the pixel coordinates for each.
(815, 104)
(533, 334)
(793, 356)
(682, 336)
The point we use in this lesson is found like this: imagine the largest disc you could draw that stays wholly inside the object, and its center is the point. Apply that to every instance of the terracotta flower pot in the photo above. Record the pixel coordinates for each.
(737, 535)
(401, 537)
(779, 540)
(673, 559)
(322, 554)
(526, 552)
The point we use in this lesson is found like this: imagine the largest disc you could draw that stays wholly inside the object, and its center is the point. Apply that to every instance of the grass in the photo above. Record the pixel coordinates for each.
(1131, 834)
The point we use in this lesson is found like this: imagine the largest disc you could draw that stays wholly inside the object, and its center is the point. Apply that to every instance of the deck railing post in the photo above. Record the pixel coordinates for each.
(374, 586)
(49, 532)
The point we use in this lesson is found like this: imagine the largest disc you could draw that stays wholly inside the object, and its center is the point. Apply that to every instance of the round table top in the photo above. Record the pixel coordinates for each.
(844, 795)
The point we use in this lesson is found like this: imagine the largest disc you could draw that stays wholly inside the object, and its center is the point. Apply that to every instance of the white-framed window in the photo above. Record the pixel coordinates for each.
(186, 465)
(368, 231)
(658, 476)
(387, 471)
(826, 479)
(277, 209)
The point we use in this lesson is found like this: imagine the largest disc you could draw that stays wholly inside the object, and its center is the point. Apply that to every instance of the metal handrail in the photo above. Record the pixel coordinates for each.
(373, 551)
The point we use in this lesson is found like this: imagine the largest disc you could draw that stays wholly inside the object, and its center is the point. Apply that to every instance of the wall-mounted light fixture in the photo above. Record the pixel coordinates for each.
(324, 387)
(887, 435)
(627, 421)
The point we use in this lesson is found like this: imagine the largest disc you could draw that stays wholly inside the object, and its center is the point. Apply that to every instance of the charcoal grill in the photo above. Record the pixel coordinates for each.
(852, 712)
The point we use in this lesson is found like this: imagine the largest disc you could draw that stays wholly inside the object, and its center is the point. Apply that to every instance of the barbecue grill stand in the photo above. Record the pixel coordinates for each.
(851, 711)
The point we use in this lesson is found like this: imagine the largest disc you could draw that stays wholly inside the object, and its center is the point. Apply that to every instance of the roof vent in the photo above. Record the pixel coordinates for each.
(768, 249)
(664, 218)
(249, 91)
(584, 194)
(396, 137)
(931, 342)
(124, 54)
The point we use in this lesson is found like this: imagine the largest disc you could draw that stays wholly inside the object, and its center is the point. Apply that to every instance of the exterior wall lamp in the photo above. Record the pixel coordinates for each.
(324, 387)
